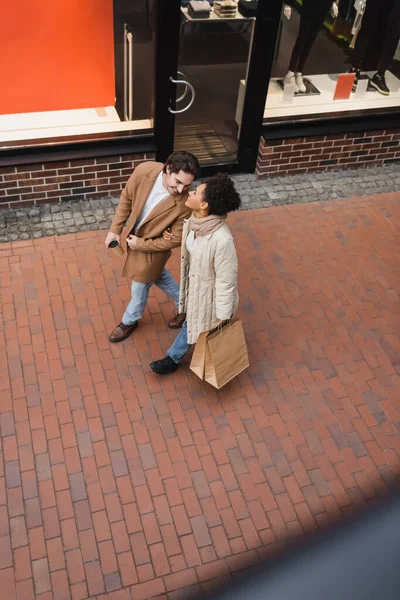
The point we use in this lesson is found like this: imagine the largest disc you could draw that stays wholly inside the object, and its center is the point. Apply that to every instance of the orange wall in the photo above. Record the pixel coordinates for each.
(56, 54)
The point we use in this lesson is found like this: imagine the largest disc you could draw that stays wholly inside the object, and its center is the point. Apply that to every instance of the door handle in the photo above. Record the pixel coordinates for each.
(128, 65)
(189, 85)
(183, 76)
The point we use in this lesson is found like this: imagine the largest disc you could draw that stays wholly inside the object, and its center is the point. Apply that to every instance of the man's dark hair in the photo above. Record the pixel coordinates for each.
(221, 195)
(183, 161)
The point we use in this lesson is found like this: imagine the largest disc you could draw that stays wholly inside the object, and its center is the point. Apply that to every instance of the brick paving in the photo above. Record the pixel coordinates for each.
(91, 215)
(116, 484)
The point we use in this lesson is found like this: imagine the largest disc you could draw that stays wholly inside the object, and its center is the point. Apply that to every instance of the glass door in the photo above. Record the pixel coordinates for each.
(213, 58)
(212, 72)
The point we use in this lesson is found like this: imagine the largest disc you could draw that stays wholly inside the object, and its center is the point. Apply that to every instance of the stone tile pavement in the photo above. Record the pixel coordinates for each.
(73, 217)
(116, 484)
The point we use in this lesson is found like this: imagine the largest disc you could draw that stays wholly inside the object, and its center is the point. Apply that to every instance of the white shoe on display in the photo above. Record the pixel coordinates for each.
(289, 78)
(300, 82)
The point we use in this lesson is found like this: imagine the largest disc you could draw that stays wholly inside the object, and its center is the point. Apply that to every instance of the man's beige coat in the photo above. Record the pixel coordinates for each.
(146, 263)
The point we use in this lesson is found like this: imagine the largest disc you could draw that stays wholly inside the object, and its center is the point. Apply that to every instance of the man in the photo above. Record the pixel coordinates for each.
(153, 201)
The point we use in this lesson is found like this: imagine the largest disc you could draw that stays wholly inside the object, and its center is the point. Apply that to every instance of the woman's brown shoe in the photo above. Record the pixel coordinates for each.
(177, 321)
(121, 332)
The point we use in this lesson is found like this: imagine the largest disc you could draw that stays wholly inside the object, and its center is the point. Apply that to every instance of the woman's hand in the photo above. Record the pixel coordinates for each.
(168, 235)
(131, 240)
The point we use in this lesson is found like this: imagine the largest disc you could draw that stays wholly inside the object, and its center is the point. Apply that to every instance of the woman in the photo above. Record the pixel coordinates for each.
(208, 293)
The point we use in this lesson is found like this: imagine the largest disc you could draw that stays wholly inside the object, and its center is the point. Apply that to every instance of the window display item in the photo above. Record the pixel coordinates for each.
(289, 90)
(295, 79)
(357, 76)
(361, 87)
(378, 82)
(248, 9)
(344, 86)
(290, 79)
(185, 3)
(225, 9)
(199, 9)
(378, 16)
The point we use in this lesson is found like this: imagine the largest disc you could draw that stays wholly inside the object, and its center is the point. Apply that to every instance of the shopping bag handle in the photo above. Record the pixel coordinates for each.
(226, 322)
(221, 326)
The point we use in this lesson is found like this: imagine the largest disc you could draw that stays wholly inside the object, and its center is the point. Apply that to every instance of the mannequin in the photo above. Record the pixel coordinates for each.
(378, 15)
(313, 13)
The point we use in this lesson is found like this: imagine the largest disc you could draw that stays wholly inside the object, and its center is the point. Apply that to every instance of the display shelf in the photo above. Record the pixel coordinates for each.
(304, 105)
(61, 123)
(324, 103)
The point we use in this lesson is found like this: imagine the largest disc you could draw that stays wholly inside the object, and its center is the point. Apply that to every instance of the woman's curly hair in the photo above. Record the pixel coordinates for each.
(221, 195)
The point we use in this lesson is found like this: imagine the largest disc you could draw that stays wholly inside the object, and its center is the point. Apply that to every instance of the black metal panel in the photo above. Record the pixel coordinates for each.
(262, 56)
(167, 53)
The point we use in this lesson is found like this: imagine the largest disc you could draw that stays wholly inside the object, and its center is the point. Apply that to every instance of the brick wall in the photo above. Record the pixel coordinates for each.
(81, 179)
(322, 153)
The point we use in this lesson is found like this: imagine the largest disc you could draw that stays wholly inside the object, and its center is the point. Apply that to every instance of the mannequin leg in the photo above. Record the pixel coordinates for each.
(388, 50)
(306, 21)
(316, 21)
(310, 13)
(372, 16)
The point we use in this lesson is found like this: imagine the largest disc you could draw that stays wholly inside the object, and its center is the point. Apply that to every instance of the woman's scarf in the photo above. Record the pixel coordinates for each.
(206, 226)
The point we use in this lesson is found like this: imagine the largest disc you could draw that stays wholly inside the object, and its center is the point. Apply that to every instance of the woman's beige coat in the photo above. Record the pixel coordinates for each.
(209, 287)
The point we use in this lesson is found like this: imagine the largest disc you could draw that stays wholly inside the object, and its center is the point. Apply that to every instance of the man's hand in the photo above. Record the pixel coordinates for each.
(111, 237)
(131, 240)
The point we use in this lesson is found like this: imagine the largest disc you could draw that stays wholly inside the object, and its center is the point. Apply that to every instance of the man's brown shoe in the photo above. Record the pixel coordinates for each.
(177, 321)
(121, 332)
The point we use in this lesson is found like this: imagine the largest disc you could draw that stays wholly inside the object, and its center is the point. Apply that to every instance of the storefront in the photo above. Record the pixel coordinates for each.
(91, 88)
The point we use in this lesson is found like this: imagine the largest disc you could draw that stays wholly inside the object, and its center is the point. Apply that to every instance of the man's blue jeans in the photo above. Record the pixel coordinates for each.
(180, 346)
(140, 294)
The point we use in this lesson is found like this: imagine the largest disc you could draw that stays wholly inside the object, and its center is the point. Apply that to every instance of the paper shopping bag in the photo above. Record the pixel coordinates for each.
(199, 354)
(221, 355)
(226, 354)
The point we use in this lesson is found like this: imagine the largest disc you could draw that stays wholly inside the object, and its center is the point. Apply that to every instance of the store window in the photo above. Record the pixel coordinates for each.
(73, 70)
(335, 56)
